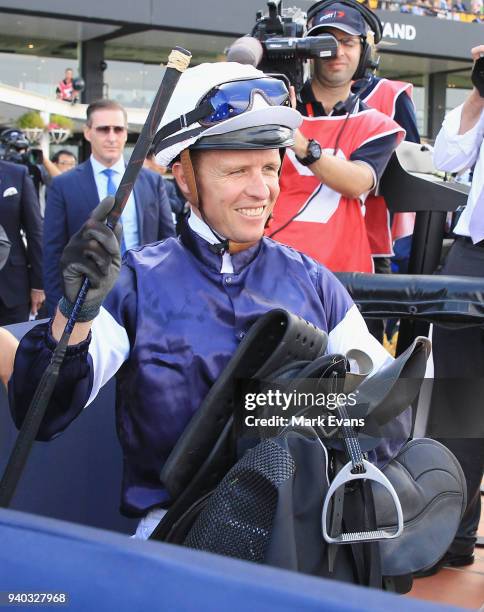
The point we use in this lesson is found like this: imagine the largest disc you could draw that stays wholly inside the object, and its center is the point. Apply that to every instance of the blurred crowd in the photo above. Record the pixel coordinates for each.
(469, 11)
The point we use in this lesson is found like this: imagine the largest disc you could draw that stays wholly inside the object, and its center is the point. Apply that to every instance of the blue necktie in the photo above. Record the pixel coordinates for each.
(111, 191)
(111, 186)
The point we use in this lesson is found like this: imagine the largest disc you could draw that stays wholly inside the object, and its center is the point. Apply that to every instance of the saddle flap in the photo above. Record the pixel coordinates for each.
(432, 490)
(392, 389)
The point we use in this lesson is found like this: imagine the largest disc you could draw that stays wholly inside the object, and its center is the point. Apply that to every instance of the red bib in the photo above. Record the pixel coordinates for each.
(384, 96)
(329, 227)
(66, 90)
(377, 218)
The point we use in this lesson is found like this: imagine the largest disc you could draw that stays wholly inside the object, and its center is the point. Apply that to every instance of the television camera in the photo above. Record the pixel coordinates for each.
(15, 148)
(277, 47)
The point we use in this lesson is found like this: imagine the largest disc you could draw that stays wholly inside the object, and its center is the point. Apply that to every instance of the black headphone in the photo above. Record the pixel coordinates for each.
(367, 61)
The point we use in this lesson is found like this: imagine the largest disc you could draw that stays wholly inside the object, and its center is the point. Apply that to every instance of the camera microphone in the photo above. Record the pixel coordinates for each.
(246, 50)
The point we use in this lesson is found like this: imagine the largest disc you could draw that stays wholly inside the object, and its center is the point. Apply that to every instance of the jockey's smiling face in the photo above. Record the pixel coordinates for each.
(237, 190)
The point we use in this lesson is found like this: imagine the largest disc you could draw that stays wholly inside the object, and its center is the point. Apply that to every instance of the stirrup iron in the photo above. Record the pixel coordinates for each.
(345, 476)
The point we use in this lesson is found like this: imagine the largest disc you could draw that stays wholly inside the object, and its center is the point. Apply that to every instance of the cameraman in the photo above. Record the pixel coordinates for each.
(340, 151)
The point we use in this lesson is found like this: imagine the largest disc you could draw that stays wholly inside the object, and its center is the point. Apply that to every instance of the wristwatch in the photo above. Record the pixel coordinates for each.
(313, 153)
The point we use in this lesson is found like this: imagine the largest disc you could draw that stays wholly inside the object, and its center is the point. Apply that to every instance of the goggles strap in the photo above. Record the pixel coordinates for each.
(182, 122)
(160, 145)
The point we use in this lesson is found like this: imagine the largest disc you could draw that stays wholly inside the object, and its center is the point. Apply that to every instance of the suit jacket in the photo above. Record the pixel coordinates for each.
(19, 209)
(71, 198)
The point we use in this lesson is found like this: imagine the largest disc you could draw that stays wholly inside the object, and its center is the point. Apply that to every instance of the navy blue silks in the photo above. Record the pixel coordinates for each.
(170, 326)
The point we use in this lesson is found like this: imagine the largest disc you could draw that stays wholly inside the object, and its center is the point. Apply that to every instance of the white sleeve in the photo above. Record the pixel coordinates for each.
(352, 333)
(453, 151)
(109, 348)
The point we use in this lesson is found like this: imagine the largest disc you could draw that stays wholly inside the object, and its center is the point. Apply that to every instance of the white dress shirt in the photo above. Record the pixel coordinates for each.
(454, 152)
(129, 218)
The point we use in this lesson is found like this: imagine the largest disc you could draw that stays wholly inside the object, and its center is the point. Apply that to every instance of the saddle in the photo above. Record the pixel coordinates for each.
(356, 503)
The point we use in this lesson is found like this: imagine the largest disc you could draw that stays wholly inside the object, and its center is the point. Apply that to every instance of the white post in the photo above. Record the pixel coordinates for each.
(44, 141)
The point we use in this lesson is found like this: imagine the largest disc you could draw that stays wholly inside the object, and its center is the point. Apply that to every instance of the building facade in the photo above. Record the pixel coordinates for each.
(118, 47)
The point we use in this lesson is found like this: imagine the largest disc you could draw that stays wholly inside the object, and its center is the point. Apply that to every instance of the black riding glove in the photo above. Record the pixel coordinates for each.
(92, 252)
(477, 76)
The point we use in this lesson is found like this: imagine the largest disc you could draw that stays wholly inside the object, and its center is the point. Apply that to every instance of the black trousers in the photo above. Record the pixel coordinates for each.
(457, 408)
(16, 314)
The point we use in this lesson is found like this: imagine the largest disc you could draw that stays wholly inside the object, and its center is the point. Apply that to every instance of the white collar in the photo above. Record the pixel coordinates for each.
(200, 228)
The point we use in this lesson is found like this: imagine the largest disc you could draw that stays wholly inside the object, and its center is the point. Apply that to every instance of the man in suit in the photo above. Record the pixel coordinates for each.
(73, 195)
(21, 277)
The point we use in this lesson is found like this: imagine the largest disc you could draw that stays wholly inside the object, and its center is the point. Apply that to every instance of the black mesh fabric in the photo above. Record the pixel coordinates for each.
(237, 520)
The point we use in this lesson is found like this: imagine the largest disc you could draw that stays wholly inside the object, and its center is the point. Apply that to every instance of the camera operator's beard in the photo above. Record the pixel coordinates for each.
(330, 91)
(334, 80)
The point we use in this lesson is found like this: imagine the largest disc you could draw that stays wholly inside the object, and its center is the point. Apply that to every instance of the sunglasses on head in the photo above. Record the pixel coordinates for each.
(231, 99)
(106, 129)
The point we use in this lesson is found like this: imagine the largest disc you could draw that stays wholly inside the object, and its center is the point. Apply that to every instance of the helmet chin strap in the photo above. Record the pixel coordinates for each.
(224, 245)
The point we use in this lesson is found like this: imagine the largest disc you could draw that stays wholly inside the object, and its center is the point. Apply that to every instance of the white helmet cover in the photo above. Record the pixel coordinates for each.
(196, 82)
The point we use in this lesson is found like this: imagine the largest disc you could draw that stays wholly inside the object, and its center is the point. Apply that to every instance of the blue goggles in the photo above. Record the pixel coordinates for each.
(236, 97)
(222, 102)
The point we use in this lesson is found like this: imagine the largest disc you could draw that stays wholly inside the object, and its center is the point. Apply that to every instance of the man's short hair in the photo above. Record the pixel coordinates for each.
(104, 105)
(56, 156)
